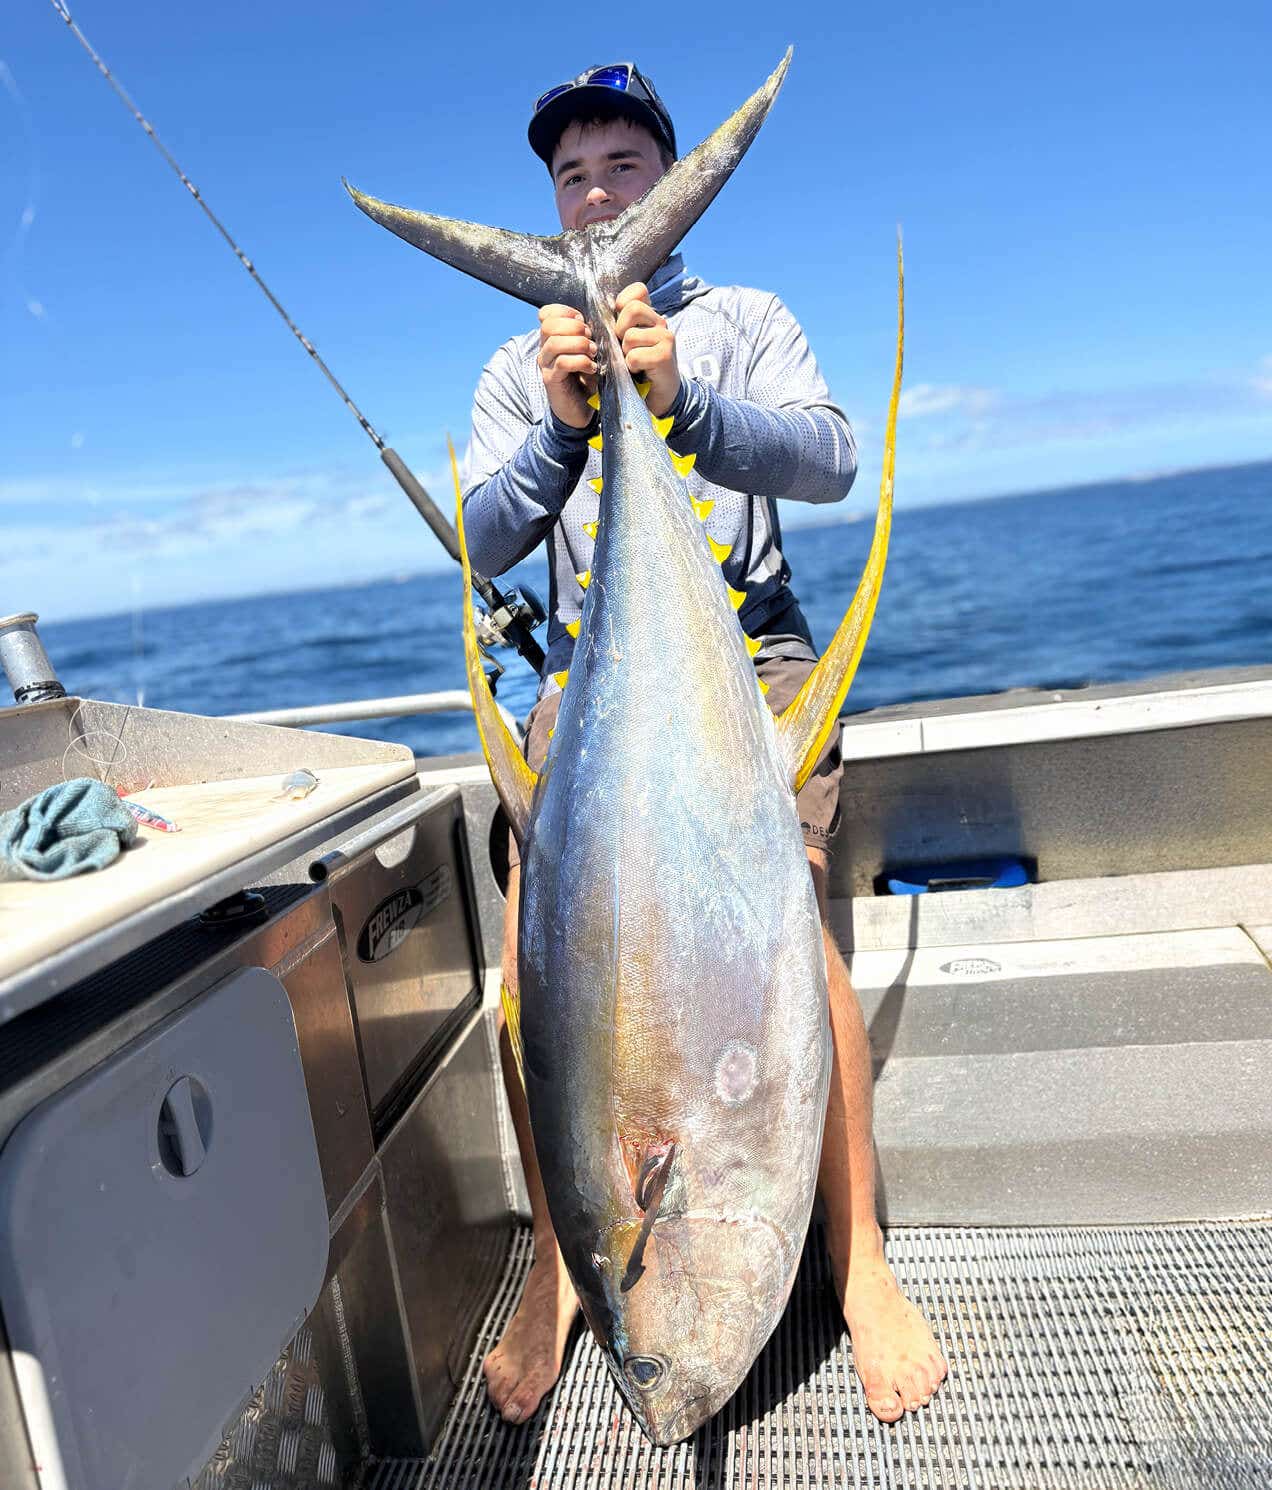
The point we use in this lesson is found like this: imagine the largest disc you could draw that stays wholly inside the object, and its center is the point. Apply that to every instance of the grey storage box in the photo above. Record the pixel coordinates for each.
(163, 1234)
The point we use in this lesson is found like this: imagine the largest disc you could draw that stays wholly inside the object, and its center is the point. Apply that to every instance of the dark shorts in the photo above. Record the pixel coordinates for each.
(817, 800)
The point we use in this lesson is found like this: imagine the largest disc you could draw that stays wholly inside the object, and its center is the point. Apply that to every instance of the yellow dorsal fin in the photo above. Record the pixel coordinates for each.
(512, 1018)
(573, 628)
(702, 506)
(594, 402)
(590, 530)
(720, 550)
(752, 644)
(584, 579)
(736, 597)
(596, 442)
(596, 484)
(562, 678)
(806, 722)
(682, 463)
(514, 780)
(661, 425)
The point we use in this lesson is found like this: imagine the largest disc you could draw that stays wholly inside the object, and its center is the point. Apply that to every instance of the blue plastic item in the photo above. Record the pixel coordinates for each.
(961, 874)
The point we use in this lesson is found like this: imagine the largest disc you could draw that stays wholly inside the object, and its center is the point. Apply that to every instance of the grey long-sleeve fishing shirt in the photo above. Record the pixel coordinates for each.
(755, 411)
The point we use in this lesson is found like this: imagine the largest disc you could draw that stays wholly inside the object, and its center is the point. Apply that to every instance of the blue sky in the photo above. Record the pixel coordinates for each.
(1083, 189)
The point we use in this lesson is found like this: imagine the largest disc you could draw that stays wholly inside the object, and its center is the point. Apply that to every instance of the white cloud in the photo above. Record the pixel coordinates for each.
(945, 398)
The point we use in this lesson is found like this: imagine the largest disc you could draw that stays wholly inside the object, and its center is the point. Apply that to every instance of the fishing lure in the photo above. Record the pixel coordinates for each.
(148, 818)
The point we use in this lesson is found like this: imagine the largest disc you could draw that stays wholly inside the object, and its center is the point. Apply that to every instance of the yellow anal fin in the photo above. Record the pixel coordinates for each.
(805, 724)
(752, 644)
(511, 1003)
(573, 628)
(591, 530)
(661, 426)
(682, 463)
(736, 597)
(584, 579)
(702, 506)
(514, 780)
(720, 550)
(596, 483)
(597, 442)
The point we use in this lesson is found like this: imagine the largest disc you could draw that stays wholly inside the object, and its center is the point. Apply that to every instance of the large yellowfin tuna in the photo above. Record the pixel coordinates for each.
(676, 1049)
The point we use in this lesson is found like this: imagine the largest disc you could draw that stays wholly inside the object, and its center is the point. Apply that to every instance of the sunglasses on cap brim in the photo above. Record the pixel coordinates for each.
(616, 75)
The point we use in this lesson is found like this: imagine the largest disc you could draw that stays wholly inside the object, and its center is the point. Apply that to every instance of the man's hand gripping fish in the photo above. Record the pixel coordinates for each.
(675, 1043)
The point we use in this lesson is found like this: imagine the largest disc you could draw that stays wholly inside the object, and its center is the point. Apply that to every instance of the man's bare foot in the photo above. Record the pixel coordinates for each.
(893, 1349)
(525, 1364)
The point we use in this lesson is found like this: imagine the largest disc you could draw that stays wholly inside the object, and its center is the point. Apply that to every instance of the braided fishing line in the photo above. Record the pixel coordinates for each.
(64, 12)
(79, 740)
(516, 632)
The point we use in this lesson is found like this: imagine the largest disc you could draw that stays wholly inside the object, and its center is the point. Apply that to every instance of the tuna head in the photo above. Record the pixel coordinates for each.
(689, 1303)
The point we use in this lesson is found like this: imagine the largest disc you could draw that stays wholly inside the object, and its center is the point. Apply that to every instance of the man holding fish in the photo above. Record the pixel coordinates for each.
(754, 420)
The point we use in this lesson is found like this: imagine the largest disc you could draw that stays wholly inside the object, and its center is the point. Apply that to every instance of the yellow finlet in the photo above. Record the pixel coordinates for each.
(596, 442)
(682, 463)
(573, 628)
(595, 483)
(590, 529)
(752, 644)
(594, 402)
(720, 550)
(562, 678)
(763, 685)
(512, 1018)
(584, 579)
(514, 780)
(662, 426)
(736, 597)
(702, 506)
(804, 726)
(643, 386)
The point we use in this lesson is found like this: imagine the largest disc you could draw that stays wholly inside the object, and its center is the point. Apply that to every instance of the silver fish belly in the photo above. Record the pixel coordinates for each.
(671, 961)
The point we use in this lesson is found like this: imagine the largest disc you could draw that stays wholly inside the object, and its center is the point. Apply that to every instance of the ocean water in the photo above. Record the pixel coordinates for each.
(1090, 584)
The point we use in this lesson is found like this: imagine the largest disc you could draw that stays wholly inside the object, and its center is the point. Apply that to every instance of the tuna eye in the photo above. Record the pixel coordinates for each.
(644, 1371)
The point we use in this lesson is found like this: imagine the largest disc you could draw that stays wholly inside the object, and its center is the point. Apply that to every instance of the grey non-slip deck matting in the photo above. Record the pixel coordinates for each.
(1081, 1359)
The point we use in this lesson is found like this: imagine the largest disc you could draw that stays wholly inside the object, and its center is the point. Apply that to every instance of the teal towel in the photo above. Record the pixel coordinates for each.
(63, 830)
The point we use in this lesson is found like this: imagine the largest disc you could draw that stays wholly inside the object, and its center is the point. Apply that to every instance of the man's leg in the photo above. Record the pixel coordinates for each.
(527, 1360)
(893, 1349)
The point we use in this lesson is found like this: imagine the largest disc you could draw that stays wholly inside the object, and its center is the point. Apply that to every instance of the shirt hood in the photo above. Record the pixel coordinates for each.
(673, 286)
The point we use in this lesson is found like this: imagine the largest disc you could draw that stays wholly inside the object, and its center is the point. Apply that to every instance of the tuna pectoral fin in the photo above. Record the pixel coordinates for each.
(650, 1185)
(805, 724)
(547, 271)
(514, 780)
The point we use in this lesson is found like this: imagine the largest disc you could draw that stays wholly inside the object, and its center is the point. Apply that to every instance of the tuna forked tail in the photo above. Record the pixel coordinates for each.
(557, 271)
(805, 724)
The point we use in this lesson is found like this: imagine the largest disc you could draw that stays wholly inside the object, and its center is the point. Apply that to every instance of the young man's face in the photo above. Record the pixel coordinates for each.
(599, 169)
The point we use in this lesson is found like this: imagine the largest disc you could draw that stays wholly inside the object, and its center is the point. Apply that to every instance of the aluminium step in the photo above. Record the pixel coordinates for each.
(1100, 1080)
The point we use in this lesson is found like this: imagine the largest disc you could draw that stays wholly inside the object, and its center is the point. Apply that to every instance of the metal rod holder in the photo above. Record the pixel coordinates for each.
(25, 662)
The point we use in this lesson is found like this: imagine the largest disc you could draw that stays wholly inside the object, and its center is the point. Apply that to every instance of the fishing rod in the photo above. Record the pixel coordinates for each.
(510, 617)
